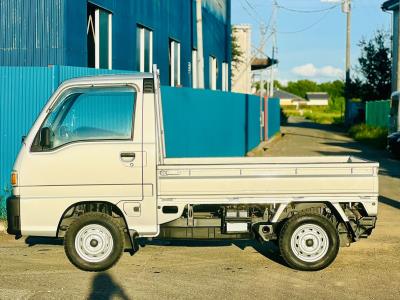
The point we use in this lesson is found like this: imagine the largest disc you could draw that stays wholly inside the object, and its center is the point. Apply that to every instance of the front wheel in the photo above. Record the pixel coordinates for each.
(309, 242)
(94, 242)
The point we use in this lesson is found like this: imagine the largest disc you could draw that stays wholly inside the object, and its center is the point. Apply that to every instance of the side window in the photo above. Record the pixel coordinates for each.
(144, 49)
(225, 76)
(175, 63)
(99, 35)
(213, 70)
(194, 69)
(90, 115)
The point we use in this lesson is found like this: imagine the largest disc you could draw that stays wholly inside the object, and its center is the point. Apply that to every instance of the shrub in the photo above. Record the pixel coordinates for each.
(375, 136)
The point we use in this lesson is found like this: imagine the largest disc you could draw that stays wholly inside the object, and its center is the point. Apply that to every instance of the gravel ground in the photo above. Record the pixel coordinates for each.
(370, 269)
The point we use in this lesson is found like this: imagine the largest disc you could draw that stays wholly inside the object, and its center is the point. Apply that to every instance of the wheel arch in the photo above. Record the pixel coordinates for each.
(71, 213)
(287, 209)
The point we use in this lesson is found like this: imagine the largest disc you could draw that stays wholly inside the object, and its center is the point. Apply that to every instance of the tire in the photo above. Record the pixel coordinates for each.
(94, 242)
(309, 242)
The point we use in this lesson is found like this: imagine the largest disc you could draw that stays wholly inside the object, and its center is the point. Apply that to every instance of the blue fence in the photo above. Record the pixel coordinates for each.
(274, 117)
(198, 123)
(201, 123)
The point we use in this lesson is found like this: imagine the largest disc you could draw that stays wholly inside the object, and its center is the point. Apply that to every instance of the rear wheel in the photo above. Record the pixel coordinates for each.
(94, 242)
(309, 242)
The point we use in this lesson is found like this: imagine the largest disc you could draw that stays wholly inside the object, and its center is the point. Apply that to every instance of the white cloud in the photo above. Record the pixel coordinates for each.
(329, 71)
(311, 71)
(308, 70)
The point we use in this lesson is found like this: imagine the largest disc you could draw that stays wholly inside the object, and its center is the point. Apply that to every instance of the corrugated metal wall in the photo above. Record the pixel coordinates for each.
(54, 32)
(274, 117)
(32, 32)
(204, 123)
(377, 113)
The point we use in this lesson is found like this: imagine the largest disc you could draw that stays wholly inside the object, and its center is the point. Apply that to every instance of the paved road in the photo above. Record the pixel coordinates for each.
(370, 269)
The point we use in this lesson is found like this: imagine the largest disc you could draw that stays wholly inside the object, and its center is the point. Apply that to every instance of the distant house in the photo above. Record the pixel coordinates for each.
(288, 98)
(317, 99)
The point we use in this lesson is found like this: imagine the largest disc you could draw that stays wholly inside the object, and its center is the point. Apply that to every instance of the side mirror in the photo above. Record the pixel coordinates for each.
(45, 137)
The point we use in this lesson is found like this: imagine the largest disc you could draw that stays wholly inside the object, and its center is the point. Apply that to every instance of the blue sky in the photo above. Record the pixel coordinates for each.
(319, 52)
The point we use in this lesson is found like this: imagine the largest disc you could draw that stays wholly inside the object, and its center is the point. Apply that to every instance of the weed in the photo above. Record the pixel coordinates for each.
(375, 136)
(317, 114)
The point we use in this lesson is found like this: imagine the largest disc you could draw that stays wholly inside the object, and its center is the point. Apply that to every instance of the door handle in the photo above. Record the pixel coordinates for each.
(128, 156)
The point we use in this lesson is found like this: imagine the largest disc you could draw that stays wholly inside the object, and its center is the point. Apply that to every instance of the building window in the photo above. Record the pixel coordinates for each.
(99, 31)
(213, 70)
(144, 46)
(175, 63)
(225, 76)
(195, 84)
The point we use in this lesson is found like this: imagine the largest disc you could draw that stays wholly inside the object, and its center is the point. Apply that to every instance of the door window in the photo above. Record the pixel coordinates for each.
(89, 115)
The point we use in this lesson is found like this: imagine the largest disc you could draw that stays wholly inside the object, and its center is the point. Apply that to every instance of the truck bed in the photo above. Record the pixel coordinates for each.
(266, 176)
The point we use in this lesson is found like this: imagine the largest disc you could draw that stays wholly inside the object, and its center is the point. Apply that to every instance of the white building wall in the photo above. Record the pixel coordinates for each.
(318, 102)
(241, 73)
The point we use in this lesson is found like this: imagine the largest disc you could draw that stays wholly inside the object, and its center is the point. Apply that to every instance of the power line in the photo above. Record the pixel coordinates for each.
(308, 27)
(254, 15)
(308, 11)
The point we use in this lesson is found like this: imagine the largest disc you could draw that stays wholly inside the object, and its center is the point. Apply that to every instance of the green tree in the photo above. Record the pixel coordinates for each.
(374, 67)
(237, 53)
(335, 89)
(302, 87)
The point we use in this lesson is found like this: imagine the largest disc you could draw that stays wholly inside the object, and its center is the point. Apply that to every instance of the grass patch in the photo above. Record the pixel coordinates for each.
(374, 136)
(319, 115)
(324, 117)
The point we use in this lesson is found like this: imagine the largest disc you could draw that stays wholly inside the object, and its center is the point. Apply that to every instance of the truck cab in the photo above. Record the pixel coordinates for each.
(93, 171)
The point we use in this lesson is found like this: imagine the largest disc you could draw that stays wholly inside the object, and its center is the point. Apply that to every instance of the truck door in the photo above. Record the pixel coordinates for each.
(89, 148)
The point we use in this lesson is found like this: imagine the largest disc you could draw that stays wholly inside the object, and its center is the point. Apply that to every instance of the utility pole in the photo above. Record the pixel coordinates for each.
(272, 77)
(271, 83)
(200, 52)
(346, 8)
(263, 33)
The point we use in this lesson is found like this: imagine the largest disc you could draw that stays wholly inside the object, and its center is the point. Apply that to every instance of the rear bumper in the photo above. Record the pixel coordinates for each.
(13, 216)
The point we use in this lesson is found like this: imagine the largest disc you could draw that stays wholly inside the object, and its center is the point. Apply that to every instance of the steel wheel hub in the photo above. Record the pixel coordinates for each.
(94, 243)
(309, 243)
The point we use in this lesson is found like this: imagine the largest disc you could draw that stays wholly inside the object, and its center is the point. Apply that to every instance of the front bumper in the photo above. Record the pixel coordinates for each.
(13, 216)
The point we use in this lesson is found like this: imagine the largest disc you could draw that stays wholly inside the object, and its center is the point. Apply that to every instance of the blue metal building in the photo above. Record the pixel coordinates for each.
(119, 34)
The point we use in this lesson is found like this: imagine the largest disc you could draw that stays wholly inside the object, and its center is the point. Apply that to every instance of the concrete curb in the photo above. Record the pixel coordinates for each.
(262, 148)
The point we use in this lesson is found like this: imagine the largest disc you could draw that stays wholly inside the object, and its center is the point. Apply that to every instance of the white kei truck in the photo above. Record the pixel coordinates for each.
(93, 171)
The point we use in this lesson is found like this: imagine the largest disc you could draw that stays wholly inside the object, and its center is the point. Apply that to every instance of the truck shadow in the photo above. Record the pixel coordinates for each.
(390, 202)
(303, 123)
(104, 287)
(36, 240)
(268, 250)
